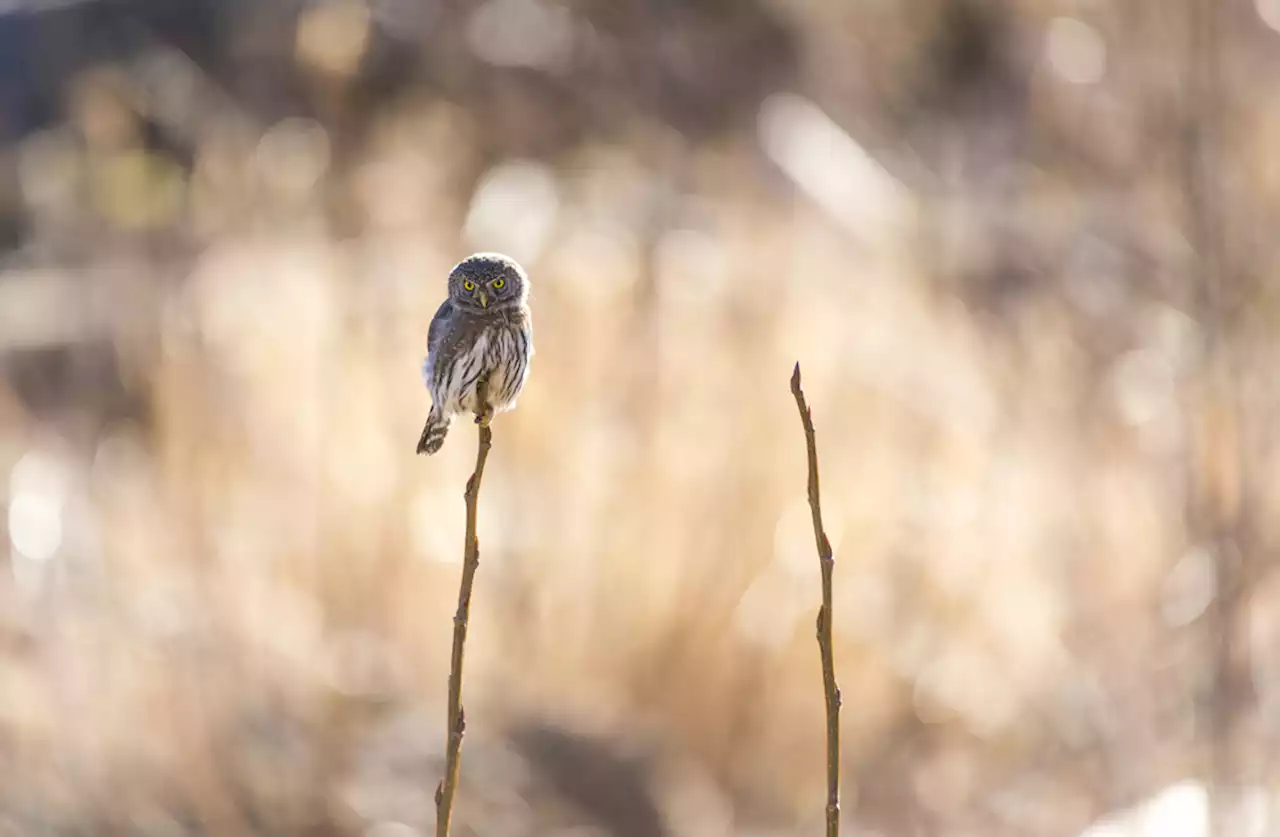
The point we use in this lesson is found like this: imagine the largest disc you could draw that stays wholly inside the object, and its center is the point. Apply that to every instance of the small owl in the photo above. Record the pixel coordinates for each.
(482, 332)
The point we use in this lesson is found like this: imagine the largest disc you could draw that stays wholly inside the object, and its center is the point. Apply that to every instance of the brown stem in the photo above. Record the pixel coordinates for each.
(448, 786)
(825, 559)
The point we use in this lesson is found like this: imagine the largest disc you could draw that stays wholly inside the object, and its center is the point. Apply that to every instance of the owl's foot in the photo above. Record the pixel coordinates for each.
(484, 413)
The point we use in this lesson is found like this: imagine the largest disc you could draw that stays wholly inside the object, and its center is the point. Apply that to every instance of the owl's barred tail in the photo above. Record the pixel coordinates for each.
(433, 433)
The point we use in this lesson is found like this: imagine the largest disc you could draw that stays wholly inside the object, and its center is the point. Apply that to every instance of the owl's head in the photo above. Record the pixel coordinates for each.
(487, 283)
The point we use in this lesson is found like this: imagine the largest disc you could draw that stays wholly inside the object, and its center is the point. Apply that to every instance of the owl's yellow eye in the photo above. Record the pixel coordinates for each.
(469, 285)
(498, 284)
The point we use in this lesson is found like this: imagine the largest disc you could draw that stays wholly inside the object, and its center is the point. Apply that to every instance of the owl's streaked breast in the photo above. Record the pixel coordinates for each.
(499, 349)
(509, 349)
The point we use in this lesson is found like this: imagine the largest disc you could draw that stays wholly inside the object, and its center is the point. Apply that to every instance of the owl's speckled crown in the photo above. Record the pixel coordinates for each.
(506, 283)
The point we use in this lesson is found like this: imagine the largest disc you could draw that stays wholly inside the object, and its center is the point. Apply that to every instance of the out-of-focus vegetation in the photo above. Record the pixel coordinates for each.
(1024, 251)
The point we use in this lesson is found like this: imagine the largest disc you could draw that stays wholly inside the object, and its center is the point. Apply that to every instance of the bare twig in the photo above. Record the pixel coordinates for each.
(448, 786)
(827, 562)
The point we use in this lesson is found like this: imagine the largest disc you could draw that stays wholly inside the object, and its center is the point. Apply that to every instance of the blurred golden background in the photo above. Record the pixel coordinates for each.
(1023, 249)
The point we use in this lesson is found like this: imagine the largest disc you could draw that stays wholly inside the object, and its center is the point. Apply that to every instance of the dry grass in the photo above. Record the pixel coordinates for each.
(271, 576)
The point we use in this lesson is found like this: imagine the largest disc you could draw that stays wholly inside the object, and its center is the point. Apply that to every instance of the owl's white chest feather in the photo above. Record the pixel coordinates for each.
(492, 355)
(463, 400)
(507, 376)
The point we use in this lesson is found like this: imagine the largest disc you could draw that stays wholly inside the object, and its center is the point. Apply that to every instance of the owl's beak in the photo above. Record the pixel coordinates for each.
(483, 297)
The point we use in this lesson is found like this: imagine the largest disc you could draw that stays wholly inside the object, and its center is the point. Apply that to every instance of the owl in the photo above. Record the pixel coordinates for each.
(482, 332)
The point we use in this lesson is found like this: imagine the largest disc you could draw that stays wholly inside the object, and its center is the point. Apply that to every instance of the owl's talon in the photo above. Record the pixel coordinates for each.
(484, 417)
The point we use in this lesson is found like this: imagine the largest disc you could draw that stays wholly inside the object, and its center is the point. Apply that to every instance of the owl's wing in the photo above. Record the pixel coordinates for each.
(435, 331)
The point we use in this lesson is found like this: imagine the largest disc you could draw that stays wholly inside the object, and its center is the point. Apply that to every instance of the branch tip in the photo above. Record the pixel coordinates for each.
(831, 691)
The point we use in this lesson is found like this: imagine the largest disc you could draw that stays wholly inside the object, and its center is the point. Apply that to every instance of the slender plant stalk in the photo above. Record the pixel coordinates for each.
(448, 787)
(825, 559)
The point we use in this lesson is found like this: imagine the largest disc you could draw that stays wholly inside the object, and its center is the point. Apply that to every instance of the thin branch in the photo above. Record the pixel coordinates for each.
(830, 689)
(448, 786)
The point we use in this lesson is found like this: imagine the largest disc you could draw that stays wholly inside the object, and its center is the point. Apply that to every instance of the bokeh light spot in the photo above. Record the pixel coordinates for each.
(1076, 51)
(521, 33)
(513, 209)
